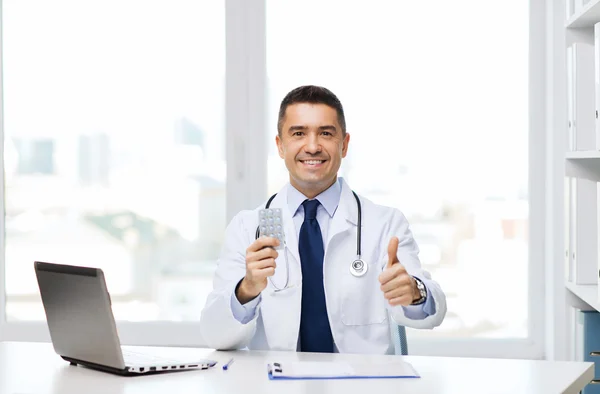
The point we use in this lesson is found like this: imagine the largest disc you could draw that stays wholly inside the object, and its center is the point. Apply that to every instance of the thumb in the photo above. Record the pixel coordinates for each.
(392, 251)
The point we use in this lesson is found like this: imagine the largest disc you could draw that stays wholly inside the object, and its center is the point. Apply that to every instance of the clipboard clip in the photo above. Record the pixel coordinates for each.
(275, 368)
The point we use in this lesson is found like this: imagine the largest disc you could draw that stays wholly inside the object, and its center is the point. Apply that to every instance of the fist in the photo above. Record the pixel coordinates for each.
(260, 264)
(398, 287)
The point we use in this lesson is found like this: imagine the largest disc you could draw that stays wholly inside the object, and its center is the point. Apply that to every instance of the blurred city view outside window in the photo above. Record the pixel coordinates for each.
(114, 148)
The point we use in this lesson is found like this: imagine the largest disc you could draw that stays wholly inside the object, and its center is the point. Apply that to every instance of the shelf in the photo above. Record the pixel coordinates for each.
(588, 294)
(587, 16)
(583, 155)
(583, 164)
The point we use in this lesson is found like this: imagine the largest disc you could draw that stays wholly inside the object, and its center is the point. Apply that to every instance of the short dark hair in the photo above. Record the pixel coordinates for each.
(313, 95)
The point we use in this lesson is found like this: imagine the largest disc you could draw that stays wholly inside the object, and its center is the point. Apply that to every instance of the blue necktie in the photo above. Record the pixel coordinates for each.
(315, 332)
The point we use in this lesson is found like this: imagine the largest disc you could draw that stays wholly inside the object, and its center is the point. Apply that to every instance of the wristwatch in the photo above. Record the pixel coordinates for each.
(422, 292)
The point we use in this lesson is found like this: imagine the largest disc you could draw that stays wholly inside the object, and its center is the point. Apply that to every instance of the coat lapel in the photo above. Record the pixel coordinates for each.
(346, 215)
(281, 201)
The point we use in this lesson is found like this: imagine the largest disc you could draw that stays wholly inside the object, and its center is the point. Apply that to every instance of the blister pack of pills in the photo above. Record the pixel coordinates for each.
(270, 224)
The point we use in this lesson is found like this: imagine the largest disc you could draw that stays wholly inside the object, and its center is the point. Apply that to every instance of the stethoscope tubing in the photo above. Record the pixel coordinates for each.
(353, 269)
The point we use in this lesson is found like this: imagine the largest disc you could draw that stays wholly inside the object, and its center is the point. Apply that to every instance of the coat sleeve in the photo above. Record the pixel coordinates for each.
(408, 255)
(218, 326)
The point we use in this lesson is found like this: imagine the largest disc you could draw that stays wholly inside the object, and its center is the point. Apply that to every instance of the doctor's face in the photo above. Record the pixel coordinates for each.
(312, 145)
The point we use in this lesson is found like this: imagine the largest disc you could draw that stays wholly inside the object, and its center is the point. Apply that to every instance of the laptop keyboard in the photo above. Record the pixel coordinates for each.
(134, 358)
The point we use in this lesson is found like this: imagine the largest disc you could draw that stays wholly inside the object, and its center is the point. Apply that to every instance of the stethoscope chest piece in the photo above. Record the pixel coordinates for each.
(358, 268)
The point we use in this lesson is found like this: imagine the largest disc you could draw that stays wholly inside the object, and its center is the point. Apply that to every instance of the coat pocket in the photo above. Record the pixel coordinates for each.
(363, 302)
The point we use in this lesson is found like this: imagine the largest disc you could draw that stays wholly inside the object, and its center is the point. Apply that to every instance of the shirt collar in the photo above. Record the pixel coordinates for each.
(329, 198)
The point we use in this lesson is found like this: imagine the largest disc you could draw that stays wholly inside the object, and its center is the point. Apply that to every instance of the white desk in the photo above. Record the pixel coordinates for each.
(35, 368)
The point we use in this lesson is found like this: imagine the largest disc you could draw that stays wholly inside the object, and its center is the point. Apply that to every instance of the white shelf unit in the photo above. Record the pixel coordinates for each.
(582, 156)
(587, 16)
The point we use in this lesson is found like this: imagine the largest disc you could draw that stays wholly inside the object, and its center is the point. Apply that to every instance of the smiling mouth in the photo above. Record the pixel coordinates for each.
(312, 162)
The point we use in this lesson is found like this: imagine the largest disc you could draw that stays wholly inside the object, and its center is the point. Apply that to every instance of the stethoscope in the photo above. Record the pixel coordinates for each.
(358, 267)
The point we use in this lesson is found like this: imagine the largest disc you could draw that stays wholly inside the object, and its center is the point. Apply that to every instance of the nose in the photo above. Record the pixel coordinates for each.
(312, 144)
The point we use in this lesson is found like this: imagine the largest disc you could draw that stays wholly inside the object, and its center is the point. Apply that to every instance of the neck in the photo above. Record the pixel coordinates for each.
(312, 190)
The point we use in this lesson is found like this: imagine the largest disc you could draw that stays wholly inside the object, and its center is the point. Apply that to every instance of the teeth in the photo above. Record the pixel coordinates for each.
(313, 161)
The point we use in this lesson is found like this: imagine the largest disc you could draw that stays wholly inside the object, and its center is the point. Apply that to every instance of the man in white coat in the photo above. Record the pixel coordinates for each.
(305, 295)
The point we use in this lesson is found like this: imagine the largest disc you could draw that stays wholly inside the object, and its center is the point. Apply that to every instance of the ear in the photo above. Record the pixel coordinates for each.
(345, 145)
(279, 143)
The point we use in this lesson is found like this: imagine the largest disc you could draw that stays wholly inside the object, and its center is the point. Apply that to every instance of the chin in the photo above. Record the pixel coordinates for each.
(312, 178)
(314, 181)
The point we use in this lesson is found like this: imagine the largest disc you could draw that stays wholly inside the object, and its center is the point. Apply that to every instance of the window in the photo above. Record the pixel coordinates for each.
(442, 95)
(117, 153)
(115, 149)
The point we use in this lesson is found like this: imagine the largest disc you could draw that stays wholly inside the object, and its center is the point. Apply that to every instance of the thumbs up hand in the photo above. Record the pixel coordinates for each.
(398, 287)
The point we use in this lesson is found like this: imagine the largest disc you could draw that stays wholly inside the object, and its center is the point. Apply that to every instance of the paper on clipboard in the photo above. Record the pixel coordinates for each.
(340, 370)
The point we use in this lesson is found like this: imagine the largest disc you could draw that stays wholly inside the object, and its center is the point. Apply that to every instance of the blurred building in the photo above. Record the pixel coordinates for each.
(93, 159)
(35, 156)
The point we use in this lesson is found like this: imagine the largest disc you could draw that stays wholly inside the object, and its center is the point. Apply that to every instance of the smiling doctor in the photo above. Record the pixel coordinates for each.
(347, 266)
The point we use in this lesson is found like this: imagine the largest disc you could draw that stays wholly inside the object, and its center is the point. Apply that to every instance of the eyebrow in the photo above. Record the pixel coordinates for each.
(300, 128)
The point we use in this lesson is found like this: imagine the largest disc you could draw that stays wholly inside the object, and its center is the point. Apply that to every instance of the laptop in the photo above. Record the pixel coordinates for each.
(82, 326)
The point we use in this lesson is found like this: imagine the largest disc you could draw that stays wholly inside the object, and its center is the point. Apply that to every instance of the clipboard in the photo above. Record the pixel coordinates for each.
(310, 370)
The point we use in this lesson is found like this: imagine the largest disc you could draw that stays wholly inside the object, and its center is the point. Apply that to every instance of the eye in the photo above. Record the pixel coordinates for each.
(327, 133)
(297, 133)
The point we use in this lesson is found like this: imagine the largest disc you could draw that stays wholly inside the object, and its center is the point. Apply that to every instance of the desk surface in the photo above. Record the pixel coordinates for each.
(35, 368)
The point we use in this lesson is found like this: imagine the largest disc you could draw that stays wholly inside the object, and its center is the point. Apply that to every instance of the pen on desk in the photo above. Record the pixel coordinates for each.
(226, 366)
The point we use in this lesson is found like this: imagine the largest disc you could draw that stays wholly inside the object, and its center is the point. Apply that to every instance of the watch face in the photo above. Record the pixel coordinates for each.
(421, 288)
